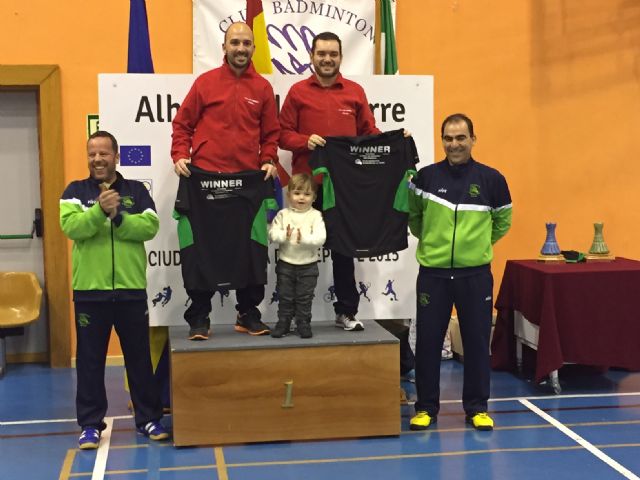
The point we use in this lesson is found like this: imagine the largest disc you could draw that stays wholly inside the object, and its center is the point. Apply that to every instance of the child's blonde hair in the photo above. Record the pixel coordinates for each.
(302, 182)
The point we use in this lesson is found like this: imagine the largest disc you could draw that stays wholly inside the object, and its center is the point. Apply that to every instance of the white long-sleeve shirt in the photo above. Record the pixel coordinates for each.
(312, 230)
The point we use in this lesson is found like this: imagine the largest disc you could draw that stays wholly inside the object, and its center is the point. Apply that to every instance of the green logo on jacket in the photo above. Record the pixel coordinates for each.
(83, 319)
(474, 189)
(127, 202)
(423, 299)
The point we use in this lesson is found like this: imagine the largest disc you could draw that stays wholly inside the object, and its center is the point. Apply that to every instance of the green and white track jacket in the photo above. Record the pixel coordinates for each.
(458, 213)
(109, 259)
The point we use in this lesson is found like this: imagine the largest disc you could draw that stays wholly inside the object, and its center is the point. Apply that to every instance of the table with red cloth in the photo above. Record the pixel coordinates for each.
(587, 313)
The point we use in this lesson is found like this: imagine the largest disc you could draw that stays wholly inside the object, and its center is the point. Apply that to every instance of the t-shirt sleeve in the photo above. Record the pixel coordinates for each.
(182, 197)
(412, 156)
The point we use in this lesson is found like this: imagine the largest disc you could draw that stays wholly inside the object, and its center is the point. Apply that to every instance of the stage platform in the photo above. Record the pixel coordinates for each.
(236, 388)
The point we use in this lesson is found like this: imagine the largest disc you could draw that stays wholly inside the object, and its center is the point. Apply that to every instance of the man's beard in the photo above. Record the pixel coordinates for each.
(232, 59)
(334, 71)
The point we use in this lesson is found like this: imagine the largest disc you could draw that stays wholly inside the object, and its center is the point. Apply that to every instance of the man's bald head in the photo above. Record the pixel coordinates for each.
(235, 27)
(238, 47)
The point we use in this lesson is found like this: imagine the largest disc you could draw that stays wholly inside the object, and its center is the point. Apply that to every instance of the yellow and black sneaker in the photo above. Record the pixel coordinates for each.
(480, 421)
(421, 421)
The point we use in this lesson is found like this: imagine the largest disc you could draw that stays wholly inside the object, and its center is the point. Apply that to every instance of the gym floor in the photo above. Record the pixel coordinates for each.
(589, 431)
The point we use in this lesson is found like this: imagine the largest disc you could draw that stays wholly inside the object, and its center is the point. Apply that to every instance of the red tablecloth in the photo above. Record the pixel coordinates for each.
(587, 313)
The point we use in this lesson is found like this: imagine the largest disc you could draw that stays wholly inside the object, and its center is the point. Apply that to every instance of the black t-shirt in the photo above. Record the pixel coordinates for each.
(222, 228)
(365, 192)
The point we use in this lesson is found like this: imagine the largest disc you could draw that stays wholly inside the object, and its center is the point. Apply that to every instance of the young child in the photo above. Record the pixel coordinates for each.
(299, 230)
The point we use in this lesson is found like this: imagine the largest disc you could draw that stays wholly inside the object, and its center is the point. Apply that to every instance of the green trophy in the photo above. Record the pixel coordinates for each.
(599, 250)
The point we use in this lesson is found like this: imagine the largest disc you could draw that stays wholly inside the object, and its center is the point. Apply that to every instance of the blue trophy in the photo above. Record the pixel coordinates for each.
(550, 251)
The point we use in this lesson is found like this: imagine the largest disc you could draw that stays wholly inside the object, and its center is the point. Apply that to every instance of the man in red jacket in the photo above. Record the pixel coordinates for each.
(327, 104)
(228, 123)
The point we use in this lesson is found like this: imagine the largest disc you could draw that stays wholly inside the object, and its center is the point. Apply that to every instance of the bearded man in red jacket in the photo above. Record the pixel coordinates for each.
(327, 104)
(228, 123)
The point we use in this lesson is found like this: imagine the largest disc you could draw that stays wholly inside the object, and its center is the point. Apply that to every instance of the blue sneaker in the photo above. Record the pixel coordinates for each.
(154, 430)
(89, 439)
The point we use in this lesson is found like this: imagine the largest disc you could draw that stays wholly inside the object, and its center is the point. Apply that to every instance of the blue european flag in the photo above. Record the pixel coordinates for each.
(135, 155)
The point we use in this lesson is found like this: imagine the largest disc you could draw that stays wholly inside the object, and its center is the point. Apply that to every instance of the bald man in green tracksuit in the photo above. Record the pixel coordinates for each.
(458, 209)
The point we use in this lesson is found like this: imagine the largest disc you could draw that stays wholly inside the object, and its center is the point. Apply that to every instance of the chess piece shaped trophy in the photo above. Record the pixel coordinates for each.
(599, 249)
(550, 251)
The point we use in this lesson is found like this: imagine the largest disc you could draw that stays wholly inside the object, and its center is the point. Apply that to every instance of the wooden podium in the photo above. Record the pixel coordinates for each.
(235, 388)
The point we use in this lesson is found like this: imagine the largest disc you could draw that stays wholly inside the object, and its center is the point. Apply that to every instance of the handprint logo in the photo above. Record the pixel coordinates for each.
(290, 47)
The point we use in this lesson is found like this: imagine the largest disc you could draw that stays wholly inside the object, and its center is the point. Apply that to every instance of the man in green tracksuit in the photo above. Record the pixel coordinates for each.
(458, 209)
(109, 218)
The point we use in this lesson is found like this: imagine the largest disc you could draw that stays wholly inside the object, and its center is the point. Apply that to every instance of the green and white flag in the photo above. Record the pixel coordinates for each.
(389, 56)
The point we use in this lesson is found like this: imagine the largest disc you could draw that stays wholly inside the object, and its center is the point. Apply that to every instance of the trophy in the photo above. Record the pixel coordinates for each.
(550, 251)
(599, 249)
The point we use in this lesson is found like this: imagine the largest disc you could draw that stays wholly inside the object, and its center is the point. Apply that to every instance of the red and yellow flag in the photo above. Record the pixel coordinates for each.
(262, 56)
(255, 20)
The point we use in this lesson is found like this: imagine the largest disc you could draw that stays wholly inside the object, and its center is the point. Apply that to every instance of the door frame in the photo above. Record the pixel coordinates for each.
(45, 81)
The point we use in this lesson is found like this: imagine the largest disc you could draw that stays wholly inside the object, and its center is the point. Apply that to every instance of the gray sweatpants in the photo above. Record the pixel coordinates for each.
(296, 286)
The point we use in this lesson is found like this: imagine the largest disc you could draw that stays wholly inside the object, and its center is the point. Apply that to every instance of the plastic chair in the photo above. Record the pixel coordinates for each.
(20, 299)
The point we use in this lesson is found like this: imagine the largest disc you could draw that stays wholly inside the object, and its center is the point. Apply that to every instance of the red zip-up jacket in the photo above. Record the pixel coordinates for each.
(227, 123)
(339, 110)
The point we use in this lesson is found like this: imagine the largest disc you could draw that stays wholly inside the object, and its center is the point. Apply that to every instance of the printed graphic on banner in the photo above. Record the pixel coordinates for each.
(148, 184)
(291, 26)
(389, 291)
(163, 297)
(385, 283)
(135, 155)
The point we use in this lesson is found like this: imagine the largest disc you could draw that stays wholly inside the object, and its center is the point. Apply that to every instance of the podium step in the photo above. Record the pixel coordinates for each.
(235, 388)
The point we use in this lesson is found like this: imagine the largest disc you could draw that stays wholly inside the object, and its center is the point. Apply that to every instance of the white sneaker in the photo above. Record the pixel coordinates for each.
(348, 323)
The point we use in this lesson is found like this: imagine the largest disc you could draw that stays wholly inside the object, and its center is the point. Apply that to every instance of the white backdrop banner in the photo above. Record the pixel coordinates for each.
(138, 110)
(291, 26)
